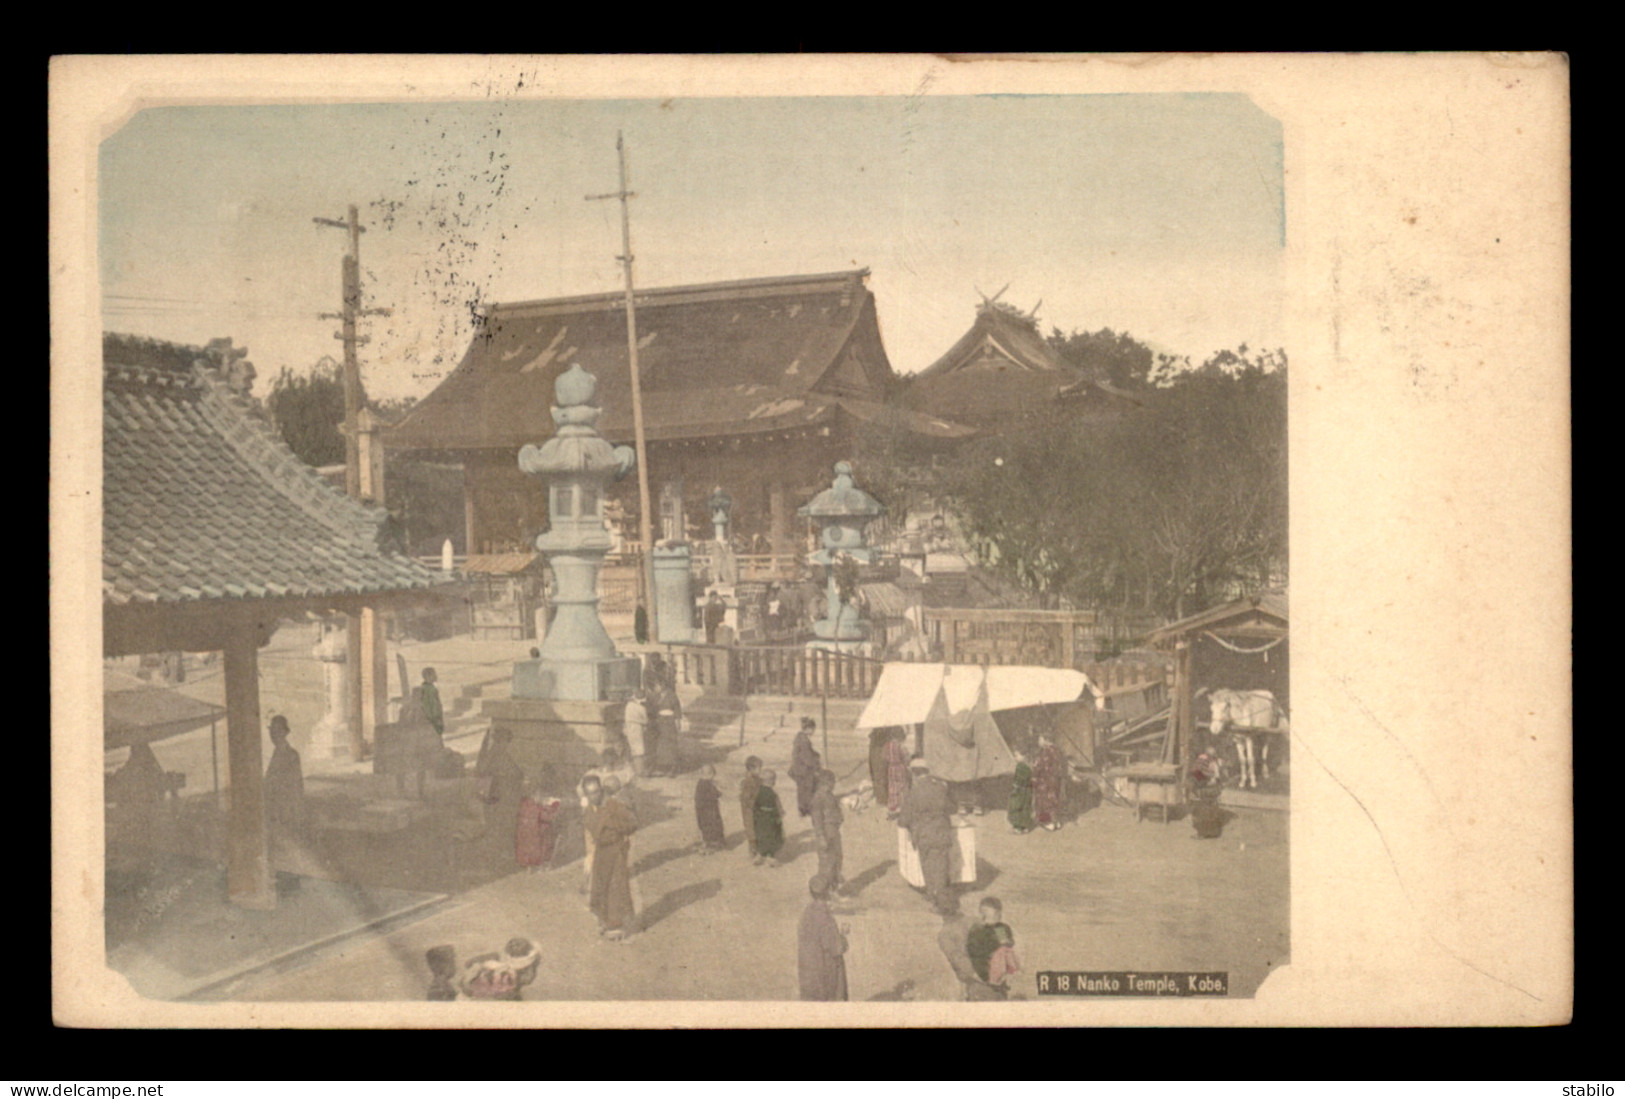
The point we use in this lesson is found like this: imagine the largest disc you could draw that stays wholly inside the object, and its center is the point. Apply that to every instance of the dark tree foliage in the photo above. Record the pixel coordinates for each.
(1167, 508)
(1117, 357)
(308, 409)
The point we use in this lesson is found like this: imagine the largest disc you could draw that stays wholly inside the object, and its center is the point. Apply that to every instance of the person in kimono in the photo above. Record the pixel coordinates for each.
(442, 972)
(992, 945)
(708, 810)
(613, 824)
(748, 788)
(590, 790)
(878, 738)
(897, 773)
(953, 940)
(284, 791)
(805, 763)
(821, 946)
(429, 703)
(635, 725)
(504, 975)
(501, 785)
(1049, 783)
(1021, 797)
(533, 843)
(769, 822)
(666, 720)
(826, 825)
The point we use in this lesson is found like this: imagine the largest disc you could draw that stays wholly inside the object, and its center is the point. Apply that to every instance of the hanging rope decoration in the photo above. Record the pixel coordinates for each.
(1238, 649)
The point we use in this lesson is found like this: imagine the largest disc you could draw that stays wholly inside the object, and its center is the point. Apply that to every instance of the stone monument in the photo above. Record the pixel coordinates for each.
(566, 705)
(843, 510)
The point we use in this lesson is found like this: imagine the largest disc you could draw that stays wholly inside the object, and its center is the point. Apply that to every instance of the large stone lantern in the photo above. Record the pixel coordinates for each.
(578, 660)
(843, 510)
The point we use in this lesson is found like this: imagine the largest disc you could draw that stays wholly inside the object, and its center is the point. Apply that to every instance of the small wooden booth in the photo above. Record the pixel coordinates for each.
(1242, 645)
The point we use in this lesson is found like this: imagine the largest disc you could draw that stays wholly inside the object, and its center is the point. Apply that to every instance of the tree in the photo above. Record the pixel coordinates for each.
(1173, 505)
(1117, 357)
(308, 409)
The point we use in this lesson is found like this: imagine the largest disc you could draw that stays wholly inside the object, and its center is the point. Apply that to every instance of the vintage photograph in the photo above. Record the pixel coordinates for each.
(566, 543)
(708, 563)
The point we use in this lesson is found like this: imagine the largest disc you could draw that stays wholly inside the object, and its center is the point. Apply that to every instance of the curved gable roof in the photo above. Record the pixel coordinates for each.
(729, 356)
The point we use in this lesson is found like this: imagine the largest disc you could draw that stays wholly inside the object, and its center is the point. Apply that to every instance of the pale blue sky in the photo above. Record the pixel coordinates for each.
(1159, 214)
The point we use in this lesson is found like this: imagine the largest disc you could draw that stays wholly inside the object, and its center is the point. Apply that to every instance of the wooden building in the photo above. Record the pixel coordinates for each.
(1002, 371)
(1241, 645)
(213, 532)
(758, 386)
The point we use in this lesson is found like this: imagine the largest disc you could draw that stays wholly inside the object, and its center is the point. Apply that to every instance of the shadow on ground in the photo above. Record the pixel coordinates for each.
(678, 899)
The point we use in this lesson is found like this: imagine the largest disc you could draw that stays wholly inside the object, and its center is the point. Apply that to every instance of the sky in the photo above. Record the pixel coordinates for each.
(1160, 215)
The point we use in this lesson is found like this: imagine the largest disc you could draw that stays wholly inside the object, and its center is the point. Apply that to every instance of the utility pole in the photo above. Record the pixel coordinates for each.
(645, 527)
(365, 666)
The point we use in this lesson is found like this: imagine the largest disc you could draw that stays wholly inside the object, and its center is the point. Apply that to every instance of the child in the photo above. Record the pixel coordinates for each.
(1021, 797)
(502, 976)
(769, 822)
(533, 843)
(443, 968)
(992, 945)
(708, 810)
(748, 788)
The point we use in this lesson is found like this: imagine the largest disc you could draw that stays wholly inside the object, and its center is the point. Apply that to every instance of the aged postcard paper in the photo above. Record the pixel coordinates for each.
(819, 541)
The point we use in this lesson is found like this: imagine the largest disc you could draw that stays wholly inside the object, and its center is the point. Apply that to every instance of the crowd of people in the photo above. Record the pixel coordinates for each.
(979, 951)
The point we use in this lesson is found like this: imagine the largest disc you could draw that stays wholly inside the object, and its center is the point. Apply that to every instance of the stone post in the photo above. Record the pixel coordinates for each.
(330, 737)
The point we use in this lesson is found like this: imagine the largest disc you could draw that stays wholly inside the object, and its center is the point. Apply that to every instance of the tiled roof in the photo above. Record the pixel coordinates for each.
(1000, 369)
(201, 499)
(720, 358)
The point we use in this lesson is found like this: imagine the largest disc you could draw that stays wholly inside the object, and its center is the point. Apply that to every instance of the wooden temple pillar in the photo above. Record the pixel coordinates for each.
(778, 507)
(248, 863)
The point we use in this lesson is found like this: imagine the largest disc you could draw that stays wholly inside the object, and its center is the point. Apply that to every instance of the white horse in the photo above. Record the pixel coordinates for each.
(1249, 717)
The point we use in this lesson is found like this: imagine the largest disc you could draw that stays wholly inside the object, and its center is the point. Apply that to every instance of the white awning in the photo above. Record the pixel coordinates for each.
(906, 691)
(1012, 686)
(903, 696)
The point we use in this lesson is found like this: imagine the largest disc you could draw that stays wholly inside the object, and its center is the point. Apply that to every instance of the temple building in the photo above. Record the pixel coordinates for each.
(759, 386)
(1002, 371)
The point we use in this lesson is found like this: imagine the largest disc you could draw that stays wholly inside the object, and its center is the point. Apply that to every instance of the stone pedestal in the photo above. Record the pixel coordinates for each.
(674, 594)
(567, 736)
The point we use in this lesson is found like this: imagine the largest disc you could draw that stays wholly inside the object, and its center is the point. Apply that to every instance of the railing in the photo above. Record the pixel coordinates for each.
(1055, 639)
(802, 671)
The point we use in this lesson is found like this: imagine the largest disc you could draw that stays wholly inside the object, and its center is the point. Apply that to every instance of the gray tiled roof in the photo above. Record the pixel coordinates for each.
(201, 499)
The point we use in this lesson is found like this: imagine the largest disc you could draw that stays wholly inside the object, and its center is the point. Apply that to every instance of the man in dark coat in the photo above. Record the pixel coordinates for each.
(821, 947)
(928, 816)
(805, 763)
(826, 824)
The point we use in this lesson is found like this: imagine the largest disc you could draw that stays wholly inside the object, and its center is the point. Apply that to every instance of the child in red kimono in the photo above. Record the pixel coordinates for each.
(533, 841)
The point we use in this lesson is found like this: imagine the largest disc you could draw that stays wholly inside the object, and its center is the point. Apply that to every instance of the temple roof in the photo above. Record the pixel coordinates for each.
(203, 501)
(999, 370)
(724, 358)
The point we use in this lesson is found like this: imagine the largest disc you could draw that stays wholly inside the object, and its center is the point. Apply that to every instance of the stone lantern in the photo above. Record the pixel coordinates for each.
(720, 505)
(726, 569)
(843, 511)
(578, 660)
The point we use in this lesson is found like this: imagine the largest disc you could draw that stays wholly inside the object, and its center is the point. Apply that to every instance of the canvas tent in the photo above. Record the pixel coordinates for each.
(966, 711)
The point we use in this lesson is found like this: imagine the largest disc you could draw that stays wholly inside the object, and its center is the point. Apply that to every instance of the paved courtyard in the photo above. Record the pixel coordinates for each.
(1103, 893)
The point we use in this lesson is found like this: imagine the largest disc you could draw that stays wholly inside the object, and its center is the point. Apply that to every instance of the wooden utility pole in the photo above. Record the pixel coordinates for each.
(645, 527)
(369, 693)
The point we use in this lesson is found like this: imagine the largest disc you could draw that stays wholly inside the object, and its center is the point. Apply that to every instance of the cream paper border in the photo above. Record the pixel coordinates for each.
(1427, 202)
